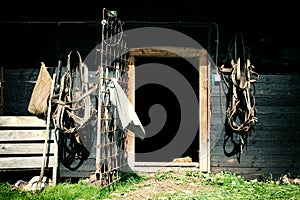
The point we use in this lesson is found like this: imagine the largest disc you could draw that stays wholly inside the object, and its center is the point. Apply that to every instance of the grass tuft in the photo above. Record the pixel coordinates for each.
(224, 185)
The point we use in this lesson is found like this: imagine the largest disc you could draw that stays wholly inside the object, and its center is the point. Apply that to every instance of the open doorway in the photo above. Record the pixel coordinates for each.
(151, 95)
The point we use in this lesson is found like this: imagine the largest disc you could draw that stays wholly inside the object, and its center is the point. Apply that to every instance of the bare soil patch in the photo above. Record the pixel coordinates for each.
(167, 182)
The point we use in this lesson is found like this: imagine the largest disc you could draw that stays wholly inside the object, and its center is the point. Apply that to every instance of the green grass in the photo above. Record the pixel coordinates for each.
(224, 185)
(70, 191)
(231, 186)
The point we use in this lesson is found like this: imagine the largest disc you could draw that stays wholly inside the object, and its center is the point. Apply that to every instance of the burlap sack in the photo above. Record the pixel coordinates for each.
(41, 91)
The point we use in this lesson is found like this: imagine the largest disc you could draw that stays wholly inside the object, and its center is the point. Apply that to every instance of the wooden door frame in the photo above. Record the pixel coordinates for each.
(204, 94)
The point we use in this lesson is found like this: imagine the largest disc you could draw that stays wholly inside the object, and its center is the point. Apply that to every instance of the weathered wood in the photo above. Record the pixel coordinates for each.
(130, 137)
(268, 134)
(263, 122)
(167, 52)
(280, 79)
(259, 151)
(273, 144)
(265, 117)
(270, 109)
(204, 115)
(25, 135)
(247, 172)
(25, 162)
(261, 141)
(83, 171)
(18, 87)
(166, 164)
(156, 166)
(22, 144)
(25, 149)
(284, 102)
(263, 160)
(204, 90)
(22, 121)
(278, 94)
(263, 130)
(252, 173)
(1, 91)
(277, 86)
(78, 173)
(208, 112)
(284, 122)
(269, 128)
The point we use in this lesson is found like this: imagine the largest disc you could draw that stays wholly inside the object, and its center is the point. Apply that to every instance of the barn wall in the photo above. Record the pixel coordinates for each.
(18, 86)
(273, 147)
(17, 89)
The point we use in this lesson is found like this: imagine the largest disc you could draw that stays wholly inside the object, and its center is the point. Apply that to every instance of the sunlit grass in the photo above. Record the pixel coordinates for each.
(231, 186)
(224, 185)
(68, 190)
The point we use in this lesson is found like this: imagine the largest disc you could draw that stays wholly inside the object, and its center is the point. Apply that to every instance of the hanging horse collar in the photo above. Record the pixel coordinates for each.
(239, 77)
(74, 107)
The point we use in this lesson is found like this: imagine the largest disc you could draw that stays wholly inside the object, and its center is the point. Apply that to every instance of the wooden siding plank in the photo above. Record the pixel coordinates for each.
(264, 129)
(262, 142)
(218, 151)
(252, 173)
(283, 102)
(25, 135)
(32, 148)
(289, 124)
(278, 86)
(274, 129)
(278, 94)
(270, 109)
(272, 115)
(280, 79)
(260, 158)
(22, 121)
(26, 162)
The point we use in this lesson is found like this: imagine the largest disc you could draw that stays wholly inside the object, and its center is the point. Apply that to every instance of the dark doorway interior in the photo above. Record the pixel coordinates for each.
(145, 98)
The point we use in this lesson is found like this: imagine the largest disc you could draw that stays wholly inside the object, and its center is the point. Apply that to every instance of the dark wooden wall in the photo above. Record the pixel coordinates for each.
(273, 148)
(17, 89)
(18, 86)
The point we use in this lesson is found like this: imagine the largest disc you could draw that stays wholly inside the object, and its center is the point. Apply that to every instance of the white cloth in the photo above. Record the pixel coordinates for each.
(127, 115)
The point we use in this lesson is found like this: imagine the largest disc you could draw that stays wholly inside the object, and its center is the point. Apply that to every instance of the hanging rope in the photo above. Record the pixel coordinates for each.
(239, 76)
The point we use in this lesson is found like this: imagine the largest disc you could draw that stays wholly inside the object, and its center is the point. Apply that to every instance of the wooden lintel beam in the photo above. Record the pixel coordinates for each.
(167, 52)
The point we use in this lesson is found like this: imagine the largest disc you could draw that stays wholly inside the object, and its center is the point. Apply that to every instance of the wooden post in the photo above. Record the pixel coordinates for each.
(204, 114)
(55, 137)
(208, 98)
(130, 146)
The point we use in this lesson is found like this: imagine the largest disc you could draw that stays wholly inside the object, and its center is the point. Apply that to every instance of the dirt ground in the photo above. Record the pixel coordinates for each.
(167, 182)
